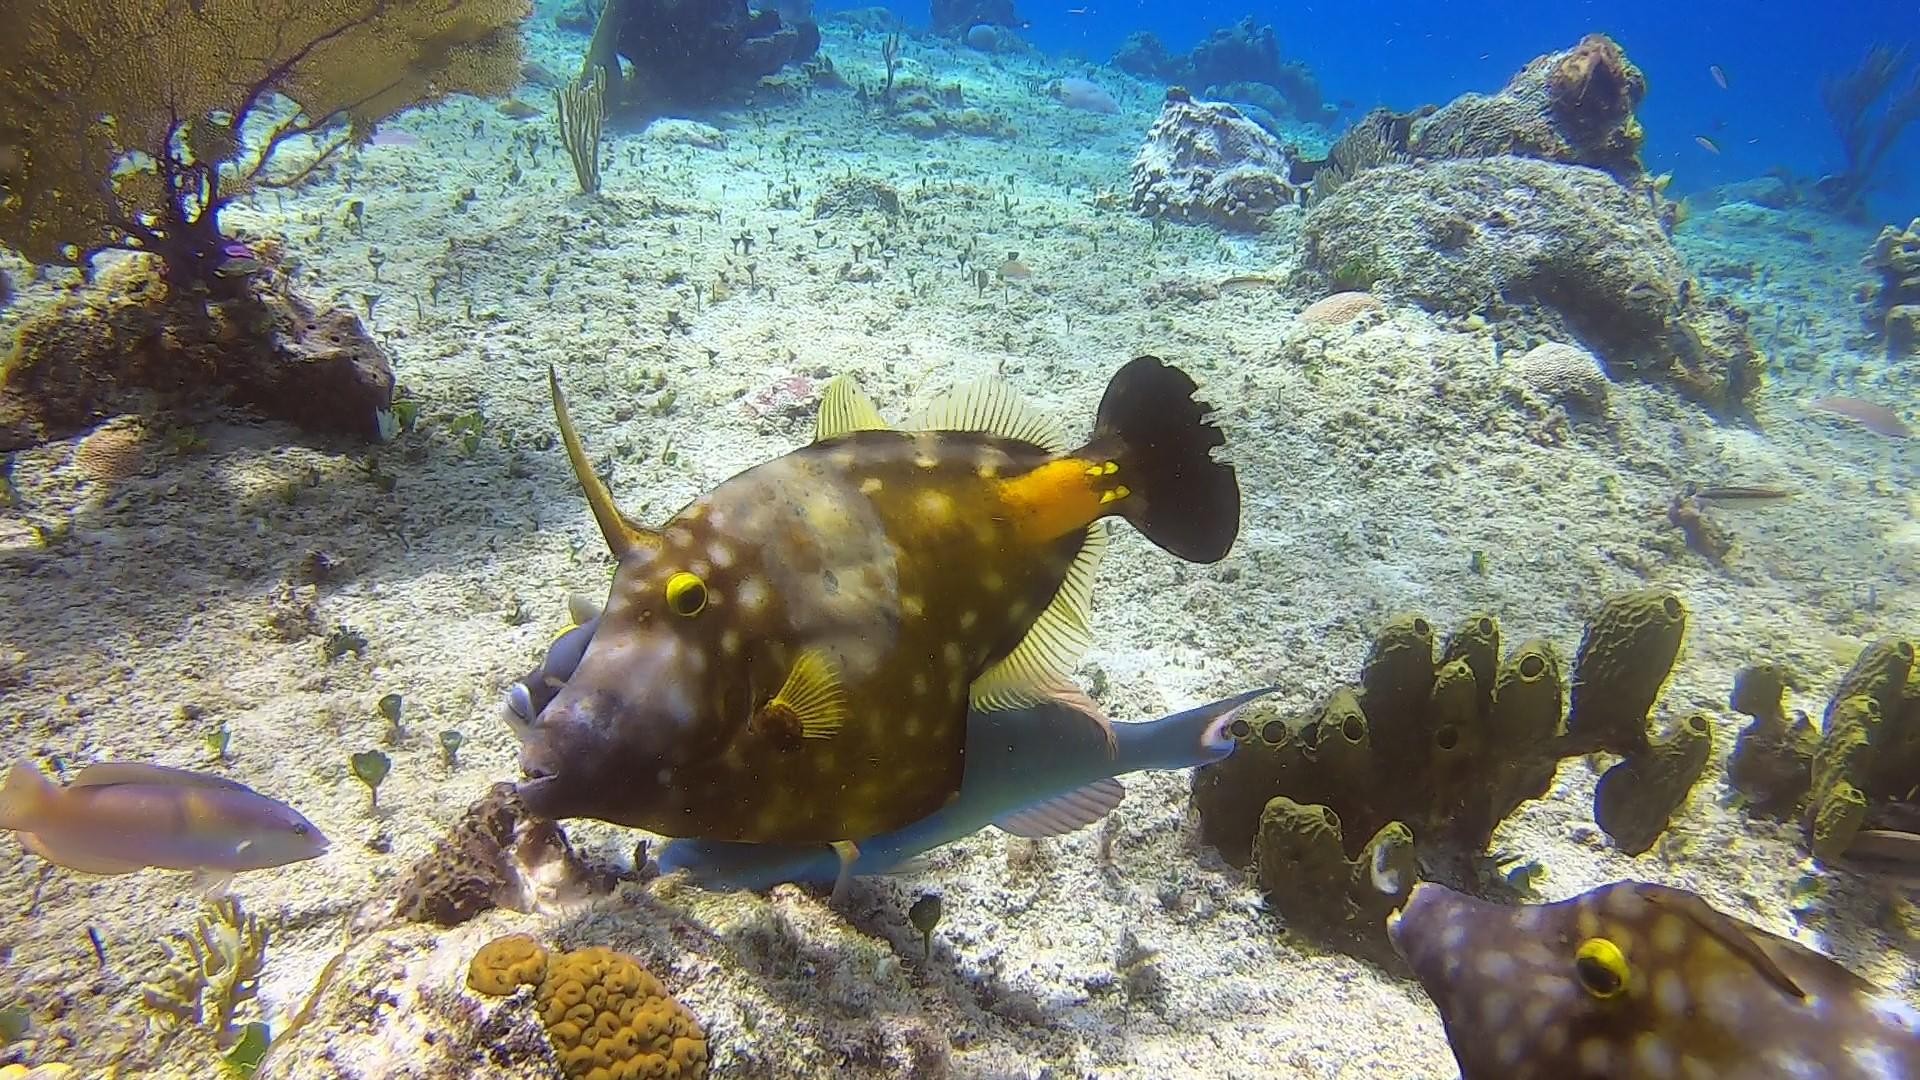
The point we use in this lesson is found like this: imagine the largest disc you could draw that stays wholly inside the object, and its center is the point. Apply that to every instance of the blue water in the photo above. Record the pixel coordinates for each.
(1404, 53)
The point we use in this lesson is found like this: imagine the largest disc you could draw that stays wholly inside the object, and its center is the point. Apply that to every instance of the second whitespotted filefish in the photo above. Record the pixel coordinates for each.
(1633, 981)
(791, 658)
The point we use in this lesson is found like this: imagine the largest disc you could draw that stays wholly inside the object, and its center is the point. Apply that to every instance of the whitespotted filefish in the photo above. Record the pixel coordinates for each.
(1633, 981)
(118, 816)
(791, 658)
(1036, 770)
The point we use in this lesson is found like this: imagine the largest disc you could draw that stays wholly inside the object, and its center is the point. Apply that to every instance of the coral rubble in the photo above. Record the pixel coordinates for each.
(1574, 107)
(1204, 161)
(1432, 754)
(1550, 252)
(135, 335)
(606, 1015)
(498, 854)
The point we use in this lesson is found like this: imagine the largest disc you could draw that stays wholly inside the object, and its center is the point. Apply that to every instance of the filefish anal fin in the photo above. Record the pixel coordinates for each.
(1063, 814)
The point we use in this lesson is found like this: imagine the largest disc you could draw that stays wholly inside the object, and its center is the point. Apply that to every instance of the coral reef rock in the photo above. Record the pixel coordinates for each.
(1205, 162)
(1894, 312)
(1238, 63)
(499, 855)
(112, 347)
(1426, 756)
(952, 18)
(693, 52)
(1575, 107)
(1340, 309)
(1549, 252)
(606, 1015)
(1565, 374)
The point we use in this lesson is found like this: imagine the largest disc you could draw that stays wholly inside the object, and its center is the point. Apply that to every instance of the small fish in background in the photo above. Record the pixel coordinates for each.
(1875, 418)
(1707, 144)
(1012, 268)
(1633, 981)
(118, 816)
(1719, 75)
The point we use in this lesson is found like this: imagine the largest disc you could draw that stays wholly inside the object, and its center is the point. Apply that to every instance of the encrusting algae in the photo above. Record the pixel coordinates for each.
(607, 1017)
(823, 622)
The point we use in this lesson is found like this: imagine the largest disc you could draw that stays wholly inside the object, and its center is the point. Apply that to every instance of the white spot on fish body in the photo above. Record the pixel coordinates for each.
(1553, 1040)
(1454, 936)
(919, 685)
(968, 618)
(1879, 1060)
(721, 554)
(1496, 965)
(1670, 993)
(753, 595)
(912, 607)
(1720, 999)
(1669, 934)
(1895, 1013)
(730, 642)
(1789, 1065)
(871, 486)
(992, 581)
(1694, 1069)
(1508, 1047)
(952, 655)
(1596, 1055)
(1654, 1057)
(935, 507)
(679, 538)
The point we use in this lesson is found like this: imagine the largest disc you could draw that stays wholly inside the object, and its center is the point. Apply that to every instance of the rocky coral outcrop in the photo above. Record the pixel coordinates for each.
(1433, 753)
(1549, 252)
(1205, 162)
(1575, 107)
(692, 52)
(1893, 309)
(133, 337)
(1238, 63)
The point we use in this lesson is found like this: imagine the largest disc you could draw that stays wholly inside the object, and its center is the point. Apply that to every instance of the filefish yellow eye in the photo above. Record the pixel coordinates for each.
(686, 594)
(1601, 968)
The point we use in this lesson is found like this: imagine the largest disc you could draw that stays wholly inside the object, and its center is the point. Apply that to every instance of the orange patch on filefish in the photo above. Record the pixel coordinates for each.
(1058, 497)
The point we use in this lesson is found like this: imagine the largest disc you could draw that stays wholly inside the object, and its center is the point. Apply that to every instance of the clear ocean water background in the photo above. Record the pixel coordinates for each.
(1405, 53)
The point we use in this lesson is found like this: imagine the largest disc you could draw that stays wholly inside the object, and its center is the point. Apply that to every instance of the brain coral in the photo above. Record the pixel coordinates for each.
(1340, 308)
(1567, 374)
(607, 1017)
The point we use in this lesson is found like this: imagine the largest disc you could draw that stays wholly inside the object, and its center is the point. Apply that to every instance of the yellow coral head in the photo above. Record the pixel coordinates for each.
(623, 536)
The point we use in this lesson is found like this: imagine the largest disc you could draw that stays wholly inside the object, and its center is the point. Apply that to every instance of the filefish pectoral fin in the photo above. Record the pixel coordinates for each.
(211, 884)
(1066, 813)
(811, 704)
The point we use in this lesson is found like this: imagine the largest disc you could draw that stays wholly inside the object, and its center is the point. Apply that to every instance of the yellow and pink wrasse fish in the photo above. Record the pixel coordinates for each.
(118, 816)
(791, 658)
(1633, 981)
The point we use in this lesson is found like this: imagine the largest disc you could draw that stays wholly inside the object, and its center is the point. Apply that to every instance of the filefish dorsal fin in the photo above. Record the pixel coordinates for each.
(1046, 657)
(993, 407)
(103, 773)
(845, 409)
(1063, 814)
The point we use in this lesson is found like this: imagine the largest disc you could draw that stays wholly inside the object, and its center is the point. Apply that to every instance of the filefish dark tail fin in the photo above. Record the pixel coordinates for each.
(1175, 493)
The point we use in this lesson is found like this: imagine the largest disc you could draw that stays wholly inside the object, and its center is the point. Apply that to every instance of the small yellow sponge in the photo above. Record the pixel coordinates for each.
(505, 963)
(607, 1017)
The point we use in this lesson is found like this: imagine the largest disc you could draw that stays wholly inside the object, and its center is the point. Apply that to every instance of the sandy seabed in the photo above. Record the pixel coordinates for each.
(1377, 457)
